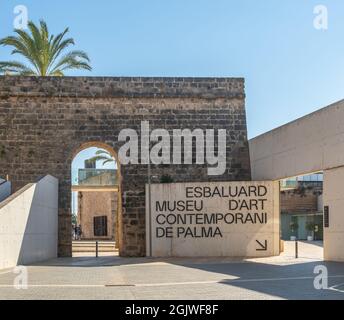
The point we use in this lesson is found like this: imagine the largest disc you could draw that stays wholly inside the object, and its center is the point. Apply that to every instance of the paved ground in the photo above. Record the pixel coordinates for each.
(306, 250)
(112, 277)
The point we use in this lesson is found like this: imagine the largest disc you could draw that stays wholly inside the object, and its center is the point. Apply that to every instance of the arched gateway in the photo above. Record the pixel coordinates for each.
(45, 121)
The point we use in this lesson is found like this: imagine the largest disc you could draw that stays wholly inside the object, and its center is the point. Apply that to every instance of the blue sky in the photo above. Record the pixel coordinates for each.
(290, 67)
(79, 162)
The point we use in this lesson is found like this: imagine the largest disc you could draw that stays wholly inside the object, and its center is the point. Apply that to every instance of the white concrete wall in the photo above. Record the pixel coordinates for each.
(309, 144)
(334, 198)
(237, 240)
(29, 224)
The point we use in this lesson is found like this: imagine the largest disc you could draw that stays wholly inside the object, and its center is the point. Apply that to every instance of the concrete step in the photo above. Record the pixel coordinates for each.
(85, 243)
(94, 250)
(90, 246)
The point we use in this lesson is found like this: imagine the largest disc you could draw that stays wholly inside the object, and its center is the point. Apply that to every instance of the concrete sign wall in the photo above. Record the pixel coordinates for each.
(233, 219)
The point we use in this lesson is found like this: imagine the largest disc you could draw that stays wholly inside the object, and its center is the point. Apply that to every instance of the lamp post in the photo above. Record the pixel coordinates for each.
(150, 207)
(150, 177)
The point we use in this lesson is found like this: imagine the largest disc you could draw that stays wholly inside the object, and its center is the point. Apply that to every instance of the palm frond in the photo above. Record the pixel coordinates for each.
(99, 152)
(9, 67)
(73, 60)
(42, 50)
(108, 161)
(104, 156)
(22, 47)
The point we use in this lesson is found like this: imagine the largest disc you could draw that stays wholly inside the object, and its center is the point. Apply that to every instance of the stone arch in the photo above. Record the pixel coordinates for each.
(114, 153)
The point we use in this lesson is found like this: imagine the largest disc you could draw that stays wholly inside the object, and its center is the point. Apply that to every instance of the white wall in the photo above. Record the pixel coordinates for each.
(309, 144)
(29, 224)
(238, 238)
(334, 198)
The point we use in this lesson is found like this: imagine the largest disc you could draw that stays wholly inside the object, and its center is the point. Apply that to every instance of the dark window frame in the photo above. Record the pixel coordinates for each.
(100, 226)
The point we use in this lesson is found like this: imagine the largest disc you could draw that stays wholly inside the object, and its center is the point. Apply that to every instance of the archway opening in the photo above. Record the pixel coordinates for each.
(302, 216)
(95, 201)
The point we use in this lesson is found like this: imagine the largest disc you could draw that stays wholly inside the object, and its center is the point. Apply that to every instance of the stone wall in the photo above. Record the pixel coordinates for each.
(45, 121)
(294, 202)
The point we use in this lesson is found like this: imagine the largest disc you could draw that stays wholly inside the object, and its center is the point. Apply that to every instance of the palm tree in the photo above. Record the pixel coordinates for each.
(42, 51)
(102, 155)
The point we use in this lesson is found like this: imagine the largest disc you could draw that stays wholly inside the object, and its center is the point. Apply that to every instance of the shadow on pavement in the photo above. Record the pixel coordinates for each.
(283, 276)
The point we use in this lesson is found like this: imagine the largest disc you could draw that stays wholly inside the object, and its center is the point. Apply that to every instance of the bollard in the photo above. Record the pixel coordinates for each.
(296, 249)
(96, 249)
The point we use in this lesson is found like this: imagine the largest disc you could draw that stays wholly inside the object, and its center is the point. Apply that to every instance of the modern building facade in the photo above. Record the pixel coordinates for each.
(302, 208)
(311, 144)
(46, 122)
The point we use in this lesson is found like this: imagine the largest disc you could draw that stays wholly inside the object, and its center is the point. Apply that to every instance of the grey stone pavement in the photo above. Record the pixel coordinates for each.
(111, 277)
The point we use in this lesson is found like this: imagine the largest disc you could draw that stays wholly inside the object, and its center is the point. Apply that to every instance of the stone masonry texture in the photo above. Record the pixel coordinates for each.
(45, 121)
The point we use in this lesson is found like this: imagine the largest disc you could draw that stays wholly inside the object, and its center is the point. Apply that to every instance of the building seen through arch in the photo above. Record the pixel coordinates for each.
(94, 201)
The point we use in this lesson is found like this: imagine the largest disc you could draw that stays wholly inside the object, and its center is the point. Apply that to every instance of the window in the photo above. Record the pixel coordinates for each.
(100, 226)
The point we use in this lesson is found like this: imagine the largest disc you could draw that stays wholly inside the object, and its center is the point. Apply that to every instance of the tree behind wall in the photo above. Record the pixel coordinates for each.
(44, 53)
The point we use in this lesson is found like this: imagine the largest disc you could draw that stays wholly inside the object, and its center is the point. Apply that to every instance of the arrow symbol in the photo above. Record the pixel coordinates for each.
(263, 247)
